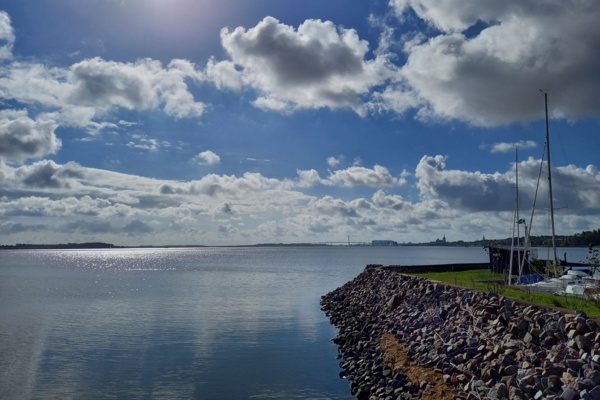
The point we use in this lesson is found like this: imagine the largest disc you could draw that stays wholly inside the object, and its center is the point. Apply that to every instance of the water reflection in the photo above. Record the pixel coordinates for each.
(112, 324)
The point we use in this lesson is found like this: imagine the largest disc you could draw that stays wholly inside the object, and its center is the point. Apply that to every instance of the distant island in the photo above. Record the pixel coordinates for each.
(92, 245)
(583, 239)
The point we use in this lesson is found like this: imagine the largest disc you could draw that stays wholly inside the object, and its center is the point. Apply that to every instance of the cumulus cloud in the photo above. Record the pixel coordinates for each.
(385, 201)
(88, 227)
(141, 85)
(48, 174)
(253, 188)
(476, 192)
(506, 147)
(137, 227)
(7, 36)
(105, 83)
(67, 206)
(377, 176)
(224, 75)
(227, 208)
(308, 178)
(12, 227)
(22, 137)
(491, 76)
(573, 187)
(333, 161)
(331, 206)
(207, 157)
(91, 88)
(63, 200)
(316, 65)
(472, 191)
(143, 142)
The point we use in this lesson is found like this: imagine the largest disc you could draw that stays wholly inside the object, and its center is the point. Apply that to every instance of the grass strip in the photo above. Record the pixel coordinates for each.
(487, 281)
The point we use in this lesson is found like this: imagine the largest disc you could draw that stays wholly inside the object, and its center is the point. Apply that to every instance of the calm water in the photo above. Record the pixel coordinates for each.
(206, 323)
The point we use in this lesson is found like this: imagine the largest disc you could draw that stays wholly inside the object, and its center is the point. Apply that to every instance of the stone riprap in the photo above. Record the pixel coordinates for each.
(484, 345)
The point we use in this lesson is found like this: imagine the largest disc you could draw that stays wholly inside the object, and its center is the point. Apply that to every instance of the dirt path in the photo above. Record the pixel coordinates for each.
(396, 356)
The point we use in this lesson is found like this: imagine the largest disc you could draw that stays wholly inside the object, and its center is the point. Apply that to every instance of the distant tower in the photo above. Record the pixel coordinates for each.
(444, 239)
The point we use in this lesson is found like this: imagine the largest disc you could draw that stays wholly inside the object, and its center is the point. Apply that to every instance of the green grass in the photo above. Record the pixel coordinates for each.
(486, 281)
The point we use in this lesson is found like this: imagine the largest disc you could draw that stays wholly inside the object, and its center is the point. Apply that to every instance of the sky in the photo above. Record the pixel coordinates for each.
(229, 122)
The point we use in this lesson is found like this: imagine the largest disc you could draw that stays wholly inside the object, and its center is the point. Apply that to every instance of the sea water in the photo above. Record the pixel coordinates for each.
(185, 323)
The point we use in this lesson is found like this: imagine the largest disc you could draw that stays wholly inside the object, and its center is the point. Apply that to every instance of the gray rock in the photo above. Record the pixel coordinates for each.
(593, 375)
(575, 364)
(595, 393)
(584, 395)
(583, 343)
(394, 302)
(538, 395)
(501, 390)
(569, 394)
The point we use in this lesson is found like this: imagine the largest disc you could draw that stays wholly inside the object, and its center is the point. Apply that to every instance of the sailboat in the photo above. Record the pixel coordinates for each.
(572, 276)
(501, 260)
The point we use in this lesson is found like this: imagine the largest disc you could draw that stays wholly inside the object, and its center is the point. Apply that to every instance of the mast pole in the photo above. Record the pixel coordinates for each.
(515, 221)
(517, 206)
(550, 181)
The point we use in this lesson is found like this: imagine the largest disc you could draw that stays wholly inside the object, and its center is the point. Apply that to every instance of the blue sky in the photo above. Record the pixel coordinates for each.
(240, 122)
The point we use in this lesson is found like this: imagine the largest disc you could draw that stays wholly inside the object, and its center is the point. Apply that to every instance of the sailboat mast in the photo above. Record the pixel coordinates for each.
(550, 182)
(517, 216)
(515, 222)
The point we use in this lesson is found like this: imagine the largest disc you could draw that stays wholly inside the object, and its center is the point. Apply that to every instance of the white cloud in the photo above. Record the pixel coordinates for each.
(137, 227)
(493, 77)
(331, 206)
(11, 227)
(48, 174)
(249, 184)
(449, 17)
(469, 191)
(507, 147)
(59, 201)
(378, 176)
(141, 85)
(574, 187)
(224, 75)
(29, 82)
(316, 65)
(7, 36)
(333, 161)
(81, 226)
(207, 157)
(22, 137)
(143, 142)
(308, 178)
(92, 88)
(101, 83)
(394, 202)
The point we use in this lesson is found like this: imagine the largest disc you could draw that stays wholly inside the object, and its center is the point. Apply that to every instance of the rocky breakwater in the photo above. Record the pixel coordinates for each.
(481, 345)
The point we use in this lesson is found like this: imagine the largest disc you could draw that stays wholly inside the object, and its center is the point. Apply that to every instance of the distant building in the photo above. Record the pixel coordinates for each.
(440, 242)
(384, 243)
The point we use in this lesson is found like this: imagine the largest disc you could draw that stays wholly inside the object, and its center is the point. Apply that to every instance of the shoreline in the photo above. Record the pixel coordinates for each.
(477, 344)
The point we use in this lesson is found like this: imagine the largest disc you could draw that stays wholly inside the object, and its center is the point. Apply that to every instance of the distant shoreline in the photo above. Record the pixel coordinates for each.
(100, 245)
